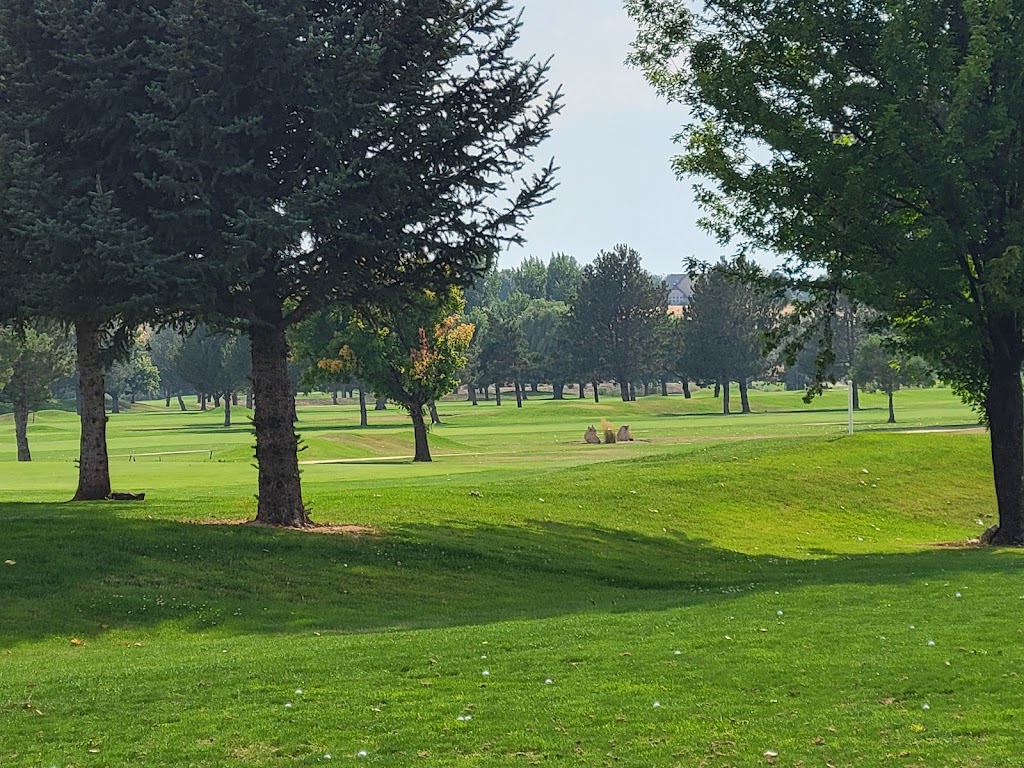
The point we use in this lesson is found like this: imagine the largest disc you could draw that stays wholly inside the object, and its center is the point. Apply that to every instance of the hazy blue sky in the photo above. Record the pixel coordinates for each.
(613, 142)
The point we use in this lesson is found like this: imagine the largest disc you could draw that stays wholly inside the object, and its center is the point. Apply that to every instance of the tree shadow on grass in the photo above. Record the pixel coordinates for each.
(81, 570)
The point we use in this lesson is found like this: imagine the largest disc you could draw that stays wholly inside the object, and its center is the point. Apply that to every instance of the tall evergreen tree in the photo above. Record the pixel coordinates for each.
(319, 152)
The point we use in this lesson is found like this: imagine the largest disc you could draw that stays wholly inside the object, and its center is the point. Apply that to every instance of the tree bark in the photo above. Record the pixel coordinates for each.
(93, 464)
(227, 410)
(744, 396)
(248, 399)
(115, 402)
(334, 397)
(597, 393)
(664, 387)
(558, 390)
(519, 394)
(280, 490)
(168, 395)
(381, 404)
(21, 431)
(892, 411)
(647, 389)
(234, 398)
(419, 429)
(725, 397)
(624, 390)
(1004, 407)
(181, 402)
(202, 401)
(434, 417)
(497, 394)
(364, 420)
(216, 400)
(632, 392)
(718, 389)
(856, 395)
(472, 393)
(686, 388)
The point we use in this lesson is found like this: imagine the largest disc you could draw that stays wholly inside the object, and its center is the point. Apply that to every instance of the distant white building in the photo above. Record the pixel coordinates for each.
(680, 291)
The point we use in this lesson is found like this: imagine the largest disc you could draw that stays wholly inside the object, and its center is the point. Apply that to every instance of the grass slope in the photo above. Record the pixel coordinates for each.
(779, 597)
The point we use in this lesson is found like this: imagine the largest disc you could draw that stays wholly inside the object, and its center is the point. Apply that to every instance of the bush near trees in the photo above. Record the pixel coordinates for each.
(878, 144)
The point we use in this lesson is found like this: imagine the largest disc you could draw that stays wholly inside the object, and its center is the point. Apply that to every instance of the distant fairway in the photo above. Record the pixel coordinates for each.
(723, 589)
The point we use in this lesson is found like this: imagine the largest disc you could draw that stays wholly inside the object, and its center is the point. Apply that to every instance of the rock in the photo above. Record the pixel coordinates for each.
(591, 436)
(624, 436)
(989, 534)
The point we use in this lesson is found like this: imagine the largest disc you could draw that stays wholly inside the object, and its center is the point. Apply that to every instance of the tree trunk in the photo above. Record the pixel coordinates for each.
(597, 393)
(168, 395)
(21, 431)
(234, 398)
(419, 429)
(725, 397)
(497, 394)
(381, 404)
(131, 398)
(115, 402)
(93, 464)
(632, 392)
(202, 401)
(334, 397)
(472, 393)
(664, 387)
(248, 399)
(487, 392)
(216, 401)
(744, 396)
(647, 388)
(280, 490)
(892, 411)
(624, 390)
(519, 394)
(583, 390)
(1004, 407)
(434, 418)
(686, 388)
(856, 395)
(718, 389)
(227, 410)
(181, 402)
(364, 421)
(522, 390)
(558, 390)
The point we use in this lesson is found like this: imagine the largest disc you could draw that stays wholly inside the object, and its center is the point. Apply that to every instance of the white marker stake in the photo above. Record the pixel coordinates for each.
(849, 388)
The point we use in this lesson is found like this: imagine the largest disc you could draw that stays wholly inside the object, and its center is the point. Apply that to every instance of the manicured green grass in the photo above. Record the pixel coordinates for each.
(626, 575)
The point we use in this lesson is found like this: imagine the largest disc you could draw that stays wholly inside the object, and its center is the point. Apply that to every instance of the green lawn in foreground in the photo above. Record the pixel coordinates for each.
(627, 575)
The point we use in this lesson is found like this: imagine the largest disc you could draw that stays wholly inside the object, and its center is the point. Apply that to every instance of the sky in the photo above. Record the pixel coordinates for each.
(612, 142)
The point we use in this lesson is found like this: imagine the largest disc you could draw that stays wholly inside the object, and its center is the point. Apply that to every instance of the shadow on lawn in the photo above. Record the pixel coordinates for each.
(82, 569)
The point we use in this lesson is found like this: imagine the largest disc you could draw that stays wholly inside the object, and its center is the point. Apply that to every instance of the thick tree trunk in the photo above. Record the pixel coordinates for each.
(216, 401)
(21, 431)
(381, 404)
(93, 465)
(434, 417)
(583, 391)
(519, 394)
(686, 388)
(202, 401)
(181, 402)
(419, 429)
(334, 397)
(1004, 407)
(115, 402)
(472, 393)
(597, 393)
(725, 397)
(227, 410)
(497, 394)
(558, 390)
(624, 390)
(280, 490)
(744, 396)
(892, 411)
(364, 420)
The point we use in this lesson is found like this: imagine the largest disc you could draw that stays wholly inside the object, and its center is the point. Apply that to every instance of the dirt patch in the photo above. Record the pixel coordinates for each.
(965, 544)
(327, 528)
